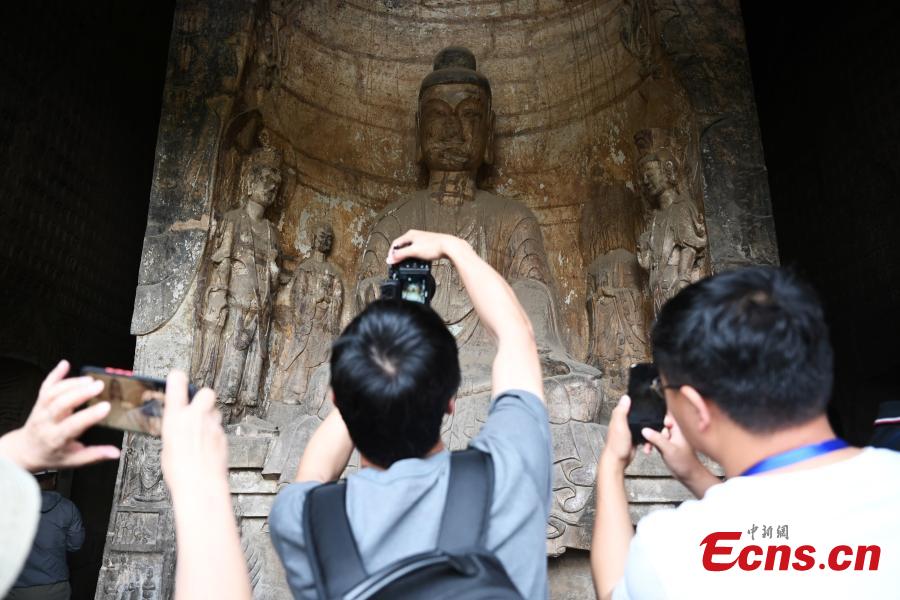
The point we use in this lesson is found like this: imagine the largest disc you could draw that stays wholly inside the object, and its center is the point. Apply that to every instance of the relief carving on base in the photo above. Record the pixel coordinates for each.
(144, 483)
(133, 576)
(136, 531)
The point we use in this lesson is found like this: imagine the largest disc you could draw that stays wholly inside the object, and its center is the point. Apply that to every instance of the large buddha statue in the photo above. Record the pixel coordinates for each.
(455, 128)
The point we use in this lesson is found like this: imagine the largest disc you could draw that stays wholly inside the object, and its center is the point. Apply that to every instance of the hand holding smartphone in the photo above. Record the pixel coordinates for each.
(136, 402)
(647, 408)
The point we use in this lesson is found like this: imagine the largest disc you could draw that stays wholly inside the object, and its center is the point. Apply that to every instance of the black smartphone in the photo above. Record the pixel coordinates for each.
(647, 408)
(136, 402)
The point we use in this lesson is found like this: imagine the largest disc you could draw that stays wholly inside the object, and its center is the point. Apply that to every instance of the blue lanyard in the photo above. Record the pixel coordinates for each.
(789, 457)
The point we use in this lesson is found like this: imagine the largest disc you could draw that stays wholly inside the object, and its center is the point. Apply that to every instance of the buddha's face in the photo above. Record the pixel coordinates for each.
(657, 176)
(454, 126)
(324, 239)
(263, 184)
(652, 177)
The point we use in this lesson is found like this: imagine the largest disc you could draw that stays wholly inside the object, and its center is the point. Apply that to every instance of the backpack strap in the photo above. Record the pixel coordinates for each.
(331, 548)
(468, 505)
(330, 545)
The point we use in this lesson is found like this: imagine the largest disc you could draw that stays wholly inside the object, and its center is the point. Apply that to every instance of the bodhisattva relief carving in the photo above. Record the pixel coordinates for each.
(455, 128)
(673, 247)
(616, 313)
(237, 302)
(308, 318)
(137, 582)
(616, 302)
(142, 463)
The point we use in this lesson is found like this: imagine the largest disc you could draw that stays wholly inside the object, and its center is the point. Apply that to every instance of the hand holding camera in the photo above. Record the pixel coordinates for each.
(423, 245)
(410, 257)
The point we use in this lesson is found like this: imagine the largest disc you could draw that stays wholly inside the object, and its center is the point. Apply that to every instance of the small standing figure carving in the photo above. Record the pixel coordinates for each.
(617, 304)
(237, 301)
(616, 314)
(308, 313)
(673, 247)
(144, 475)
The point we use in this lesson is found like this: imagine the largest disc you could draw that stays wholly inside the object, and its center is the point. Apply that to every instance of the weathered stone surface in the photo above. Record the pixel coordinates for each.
(267, 577)
(253, 426)
(204, 68)
(285, 456)
(570, 576)
(652, 465)
(251, 525)
(252, 505)
(655, 489)
(705, 42)
(245, 452)
(251, 482)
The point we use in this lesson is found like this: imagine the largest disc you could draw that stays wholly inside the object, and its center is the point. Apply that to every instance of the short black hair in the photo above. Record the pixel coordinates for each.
(394, 370)
(753, 341)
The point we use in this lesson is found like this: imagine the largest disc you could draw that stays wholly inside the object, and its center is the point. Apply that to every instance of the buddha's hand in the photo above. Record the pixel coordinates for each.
(424, 245)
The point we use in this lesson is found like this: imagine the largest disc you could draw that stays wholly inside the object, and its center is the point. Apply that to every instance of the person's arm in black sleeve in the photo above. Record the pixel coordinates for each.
(75, 531)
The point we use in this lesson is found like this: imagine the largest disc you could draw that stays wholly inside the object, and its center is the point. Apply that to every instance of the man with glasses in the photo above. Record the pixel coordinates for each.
(746, 372)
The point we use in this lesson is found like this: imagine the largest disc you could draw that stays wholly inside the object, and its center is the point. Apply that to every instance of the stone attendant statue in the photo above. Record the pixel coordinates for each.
(617, 304)
(672, 248)
(308, 312)
(455, 127)
(616, 315)
(236, 305)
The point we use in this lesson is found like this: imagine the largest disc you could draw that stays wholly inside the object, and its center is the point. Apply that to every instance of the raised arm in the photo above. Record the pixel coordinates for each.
(210, 563)
(516, 364)
(328, 451)
(612, 524)
(74, 531)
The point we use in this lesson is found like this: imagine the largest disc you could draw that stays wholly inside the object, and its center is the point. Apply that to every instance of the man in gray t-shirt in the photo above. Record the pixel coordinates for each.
(394, 374)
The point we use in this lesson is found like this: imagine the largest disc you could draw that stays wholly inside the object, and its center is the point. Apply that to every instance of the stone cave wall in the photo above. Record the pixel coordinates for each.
(333, 85)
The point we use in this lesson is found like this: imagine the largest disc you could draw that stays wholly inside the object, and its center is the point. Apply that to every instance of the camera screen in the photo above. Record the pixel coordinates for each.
(135, 405)
(414, 291)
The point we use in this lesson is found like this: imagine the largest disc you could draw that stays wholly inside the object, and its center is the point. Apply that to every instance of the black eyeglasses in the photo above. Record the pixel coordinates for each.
(659, 388)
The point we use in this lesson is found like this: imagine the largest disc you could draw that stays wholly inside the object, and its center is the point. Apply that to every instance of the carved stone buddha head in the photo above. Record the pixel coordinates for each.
(261, 176)
(657, 166)
(454, 119)
(323, 238)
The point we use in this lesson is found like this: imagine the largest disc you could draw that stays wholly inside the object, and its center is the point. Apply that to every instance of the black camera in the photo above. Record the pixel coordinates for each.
(409, 280)
(647, 408)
